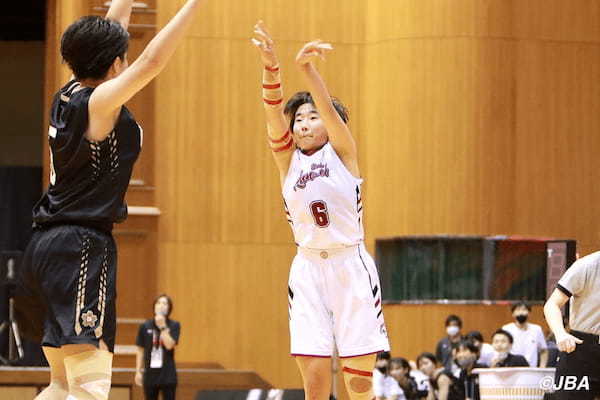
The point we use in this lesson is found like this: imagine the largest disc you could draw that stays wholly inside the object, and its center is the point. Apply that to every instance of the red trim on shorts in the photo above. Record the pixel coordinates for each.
(366, 354)
(271, 86)
(308, 355)
(357, 371)
(272, 69)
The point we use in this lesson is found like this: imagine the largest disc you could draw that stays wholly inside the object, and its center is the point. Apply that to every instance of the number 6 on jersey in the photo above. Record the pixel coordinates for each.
(318, 209)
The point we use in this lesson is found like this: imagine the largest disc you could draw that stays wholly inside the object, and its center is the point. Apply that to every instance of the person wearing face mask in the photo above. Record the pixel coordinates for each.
(529, 340)
(155, 358)
(502, 342)
(458, 382)
(445, 346)
(384, 386)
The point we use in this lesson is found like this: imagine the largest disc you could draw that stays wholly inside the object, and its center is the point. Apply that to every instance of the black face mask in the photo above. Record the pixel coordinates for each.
(521, 318)
(383, 370)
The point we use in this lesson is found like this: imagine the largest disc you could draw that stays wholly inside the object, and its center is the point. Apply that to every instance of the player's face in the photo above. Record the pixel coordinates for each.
(501, 343)
(309, 130)
(161, 306)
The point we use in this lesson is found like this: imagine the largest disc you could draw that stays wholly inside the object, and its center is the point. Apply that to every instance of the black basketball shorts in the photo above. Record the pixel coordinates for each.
(66, 286)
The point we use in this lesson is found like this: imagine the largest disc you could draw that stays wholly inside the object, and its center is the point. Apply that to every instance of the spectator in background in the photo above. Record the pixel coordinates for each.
(381, 369)
(486, 350)
(502, 342)
(400, 370)
(445, 346)
(156, 341)
(459, 382)
(428, 366)
(385, 386)
(529, 340)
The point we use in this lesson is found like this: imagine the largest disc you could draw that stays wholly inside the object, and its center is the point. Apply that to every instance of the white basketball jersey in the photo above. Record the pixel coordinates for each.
(323, 201)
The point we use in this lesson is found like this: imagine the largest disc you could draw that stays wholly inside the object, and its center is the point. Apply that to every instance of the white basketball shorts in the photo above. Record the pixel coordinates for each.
(335, 299)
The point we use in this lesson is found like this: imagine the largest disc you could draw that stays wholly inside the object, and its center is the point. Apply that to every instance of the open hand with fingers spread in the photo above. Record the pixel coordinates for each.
(265, 45)
(312, 50)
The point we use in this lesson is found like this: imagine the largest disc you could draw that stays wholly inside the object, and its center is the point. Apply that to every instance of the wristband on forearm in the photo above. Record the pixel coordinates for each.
(272, 92)
(281, 144)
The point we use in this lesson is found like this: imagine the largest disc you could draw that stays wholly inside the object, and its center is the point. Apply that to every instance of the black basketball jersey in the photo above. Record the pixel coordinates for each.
(88, 180)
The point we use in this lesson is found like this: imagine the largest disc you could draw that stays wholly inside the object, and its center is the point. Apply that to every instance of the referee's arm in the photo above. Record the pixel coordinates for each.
(564, 340)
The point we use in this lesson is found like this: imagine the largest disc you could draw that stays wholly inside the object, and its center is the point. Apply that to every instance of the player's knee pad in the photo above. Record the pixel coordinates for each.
(358, 379)
(89, 375)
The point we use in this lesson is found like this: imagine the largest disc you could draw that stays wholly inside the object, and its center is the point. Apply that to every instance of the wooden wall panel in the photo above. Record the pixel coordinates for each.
(555, 20)
(558, 105)
(391, 20)
(439, 154)
(137, 264)
(232, 301)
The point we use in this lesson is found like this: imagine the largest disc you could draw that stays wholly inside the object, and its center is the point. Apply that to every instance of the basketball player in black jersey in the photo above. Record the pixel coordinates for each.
(69, 270)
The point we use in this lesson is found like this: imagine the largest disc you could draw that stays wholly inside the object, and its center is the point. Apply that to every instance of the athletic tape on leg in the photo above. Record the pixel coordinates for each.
(358, 377)
(89, 375)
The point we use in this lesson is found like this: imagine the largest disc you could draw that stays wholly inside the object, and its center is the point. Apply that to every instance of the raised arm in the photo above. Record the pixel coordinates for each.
(340, 136)
(120, 11)
(280, 139)
(109, 96)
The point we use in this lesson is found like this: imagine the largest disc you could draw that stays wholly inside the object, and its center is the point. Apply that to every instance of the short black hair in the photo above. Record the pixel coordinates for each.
(169, 301)
(469, 345)
(427, 355)
(520, 304)
(454, 318)
(300, 98)
(474, 335)
(90, 45)
(505, 333)
(383, 355)
(401, 361)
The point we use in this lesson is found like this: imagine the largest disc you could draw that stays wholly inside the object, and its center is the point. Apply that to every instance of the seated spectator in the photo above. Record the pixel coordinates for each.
(381, 364)
(486, 350)
(502, 342)
(459, 382)
(445, 346)
(385, 387)
(529, 340)
(428, 366)
(400, 371)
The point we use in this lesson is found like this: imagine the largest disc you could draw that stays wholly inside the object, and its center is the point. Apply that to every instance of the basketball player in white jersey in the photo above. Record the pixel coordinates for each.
(334, 291)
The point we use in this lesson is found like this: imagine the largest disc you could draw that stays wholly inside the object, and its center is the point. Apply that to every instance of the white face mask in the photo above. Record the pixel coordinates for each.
(452, 330)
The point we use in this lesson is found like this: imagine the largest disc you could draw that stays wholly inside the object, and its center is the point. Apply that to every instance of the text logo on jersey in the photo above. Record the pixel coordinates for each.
(317, 171)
